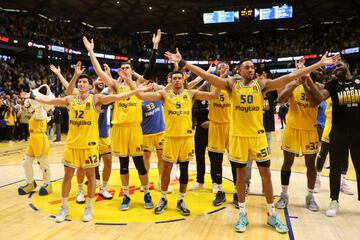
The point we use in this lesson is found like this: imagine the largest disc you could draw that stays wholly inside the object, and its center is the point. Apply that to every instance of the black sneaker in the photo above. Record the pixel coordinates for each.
(219, 198)
(236, 201)
(162, 205)
(148, 203)
(181, 207)
(125, 205)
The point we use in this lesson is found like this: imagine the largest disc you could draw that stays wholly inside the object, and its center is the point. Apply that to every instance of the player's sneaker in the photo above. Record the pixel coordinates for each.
(162, 205)
(45, 189)
(235, 201)
(80, 197)
(196, 186)
(331, 211)
(148, 203)
(88, 214)
(317, 185)
(63, 212)
(275, 222)
(181, 207)
(125, 205)
(344, 188)
(219, 198)
(242, 222)
(215, 188)
(105, 193)
(27, 188)
(311, 203)
(283, 201)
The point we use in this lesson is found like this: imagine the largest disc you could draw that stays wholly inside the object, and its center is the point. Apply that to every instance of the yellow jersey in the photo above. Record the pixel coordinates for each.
(220, 108)
(301, 115)
(178, 114)
(127, 111)
(83, 124)
(37, 126)
(328, 111)
(247, 110)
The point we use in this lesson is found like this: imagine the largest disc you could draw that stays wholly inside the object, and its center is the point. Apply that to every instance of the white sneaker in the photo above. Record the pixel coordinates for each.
(344, 188)
(88, 215)
(105, 193)
(215, 188)
(196, 186)
(80, 197)
(332, 209)
(317, 185)
(63, 212)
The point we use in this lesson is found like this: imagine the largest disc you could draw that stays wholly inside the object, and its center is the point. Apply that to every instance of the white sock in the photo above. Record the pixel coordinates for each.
(64, 202)
(182, 196)
(90, 202)
(270, 208)
(126, 190)
(220, 187)
(284, 188)
(343, 179)
(146, 188)
(242, 207)
(163, 194)
(104, 185)
(318, 175)
(310, 191)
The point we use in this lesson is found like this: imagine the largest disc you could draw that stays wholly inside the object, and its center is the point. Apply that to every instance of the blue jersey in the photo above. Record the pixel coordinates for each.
(321, 117)
(153, 120)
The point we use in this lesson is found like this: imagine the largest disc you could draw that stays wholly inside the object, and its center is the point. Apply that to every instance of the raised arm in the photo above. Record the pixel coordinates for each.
(309, 87)
(57, 72)
(280, 82)
(71, 89)
(201, 95)
(109, 81)
(222, 83)
(107, 99)
(284, 95)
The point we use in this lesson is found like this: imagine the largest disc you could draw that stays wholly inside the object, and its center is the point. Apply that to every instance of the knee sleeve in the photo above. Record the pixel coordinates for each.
(28, 168)
(184, 173)
(124, 165)
(140, 165)
(45, 168)
(285, 177)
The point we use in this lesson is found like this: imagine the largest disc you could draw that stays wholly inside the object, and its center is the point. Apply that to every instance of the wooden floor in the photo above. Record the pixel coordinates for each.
(19, 221)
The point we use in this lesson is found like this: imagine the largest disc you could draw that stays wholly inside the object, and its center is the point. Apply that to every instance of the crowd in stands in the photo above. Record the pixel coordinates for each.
(269, 43)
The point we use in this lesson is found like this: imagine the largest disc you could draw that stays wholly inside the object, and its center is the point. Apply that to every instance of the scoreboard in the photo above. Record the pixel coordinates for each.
(275, 12)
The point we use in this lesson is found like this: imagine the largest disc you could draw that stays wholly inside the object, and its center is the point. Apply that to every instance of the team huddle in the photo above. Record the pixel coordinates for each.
(148, 116)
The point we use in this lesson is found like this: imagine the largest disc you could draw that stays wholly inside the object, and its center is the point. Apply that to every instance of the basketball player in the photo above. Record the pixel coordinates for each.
(247, 134)
(104, 141)
(344, 91)
(300, 137)
(127, 137)
(37, 148)
(178, 142)
(81, 149)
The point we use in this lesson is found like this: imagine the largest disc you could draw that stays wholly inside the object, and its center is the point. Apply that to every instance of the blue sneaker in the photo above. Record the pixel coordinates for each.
(125, 203)
(27, 188)
(148, 203)
(241, 224)
(45, 189)
(275, 222)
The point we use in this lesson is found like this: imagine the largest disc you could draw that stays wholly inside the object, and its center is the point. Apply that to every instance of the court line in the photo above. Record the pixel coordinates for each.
(33, 207)
(216, 210)
(111, 224)
(288, 223)
(168, 221)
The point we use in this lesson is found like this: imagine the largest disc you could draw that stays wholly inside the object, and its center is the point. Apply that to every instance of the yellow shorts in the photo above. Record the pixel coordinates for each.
(81, 158)
(104, 146)
(326, 132)
(244, 148)
(127, 140)
(218, 137)
(178, 149)
(152, 141)
(38, 145)
(300, 141)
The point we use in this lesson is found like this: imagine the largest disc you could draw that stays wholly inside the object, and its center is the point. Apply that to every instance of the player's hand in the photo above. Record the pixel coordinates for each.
(124, 75)
(174, 57)
(88, 45)
(55, 70)
(156, 39)
(78, 69)
(300, 64)
(329, 60)
(107, 68)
